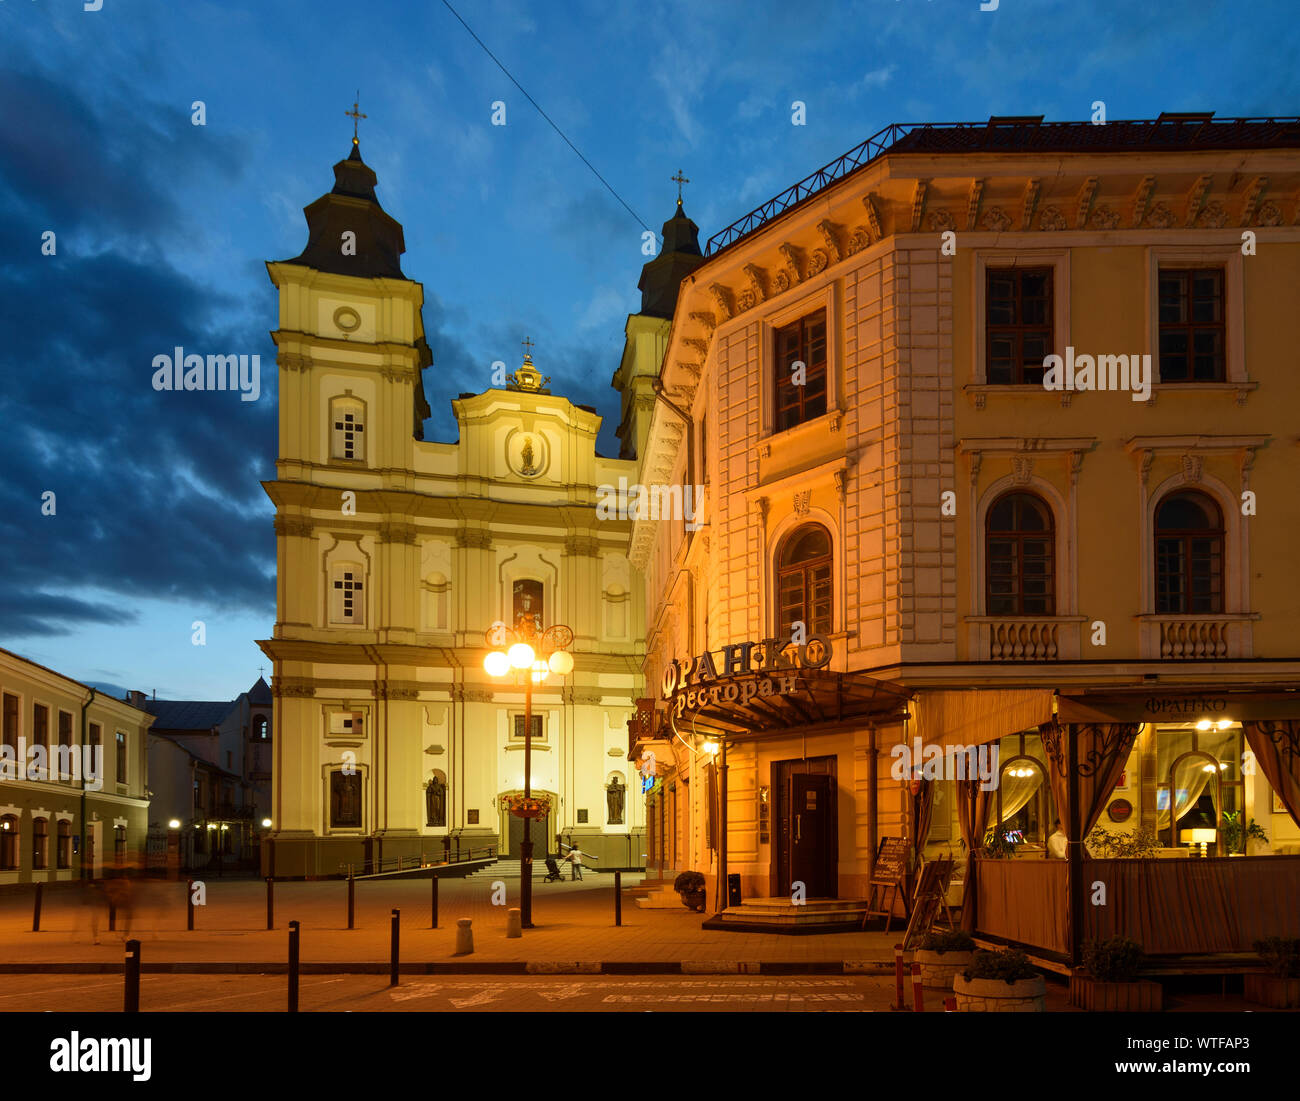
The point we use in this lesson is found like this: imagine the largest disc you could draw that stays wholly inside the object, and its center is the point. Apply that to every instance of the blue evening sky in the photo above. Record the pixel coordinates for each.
(163, 227)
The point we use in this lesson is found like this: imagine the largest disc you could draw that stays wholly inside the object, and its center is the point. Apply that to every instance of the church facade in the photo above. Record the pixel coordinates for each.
(395, 556)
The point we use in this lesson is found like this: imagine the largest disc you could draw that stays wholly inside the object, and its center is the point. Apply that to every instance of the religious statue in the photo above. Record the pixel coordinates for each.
(614, 801)
(435, 803)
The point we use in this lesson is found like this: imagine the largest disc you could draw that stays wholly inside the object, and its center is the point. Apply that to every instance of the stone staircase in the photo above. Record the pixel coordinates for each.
(780, 915)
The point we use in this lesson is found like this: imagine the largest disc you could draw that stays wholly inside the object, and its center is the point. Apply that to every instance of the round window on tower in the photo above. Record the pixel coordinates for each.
(347, 319)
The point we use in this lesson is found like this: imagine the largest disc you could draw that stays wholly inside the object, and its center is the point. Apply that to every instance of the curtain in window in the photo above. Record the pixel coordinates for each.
(972, 812)
(1103, 751)
(1276, 745)
(1016, 792)
(1190, 782)
(922, 814)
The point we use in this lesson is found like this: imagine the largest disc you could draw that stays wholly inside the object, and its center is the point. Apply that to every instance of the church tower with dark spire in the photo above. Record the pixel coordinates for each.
(647, 332)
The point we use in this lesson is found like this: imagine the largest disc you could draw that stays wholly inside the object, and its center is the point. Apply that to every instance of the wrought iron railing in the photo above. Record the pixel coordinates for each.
(1028, 134)
(453, 855)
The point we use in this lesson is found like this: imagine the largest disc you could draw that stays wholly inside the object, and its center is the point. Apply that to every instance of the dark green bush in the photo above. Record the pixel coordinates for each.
(951, 940)
(1009, 965)
(687, 882)
(1282, 954)
(1116, 959)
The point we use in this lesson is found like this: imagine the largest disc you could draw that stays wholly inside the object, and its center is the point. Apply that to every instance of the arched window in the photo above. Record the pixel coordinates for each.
(63, 848)
(1189, 555)
(803, 581)
(9, 843)
(40, 843)
(1019, 561)
(347, 599)
(261, 728)
(347, 429)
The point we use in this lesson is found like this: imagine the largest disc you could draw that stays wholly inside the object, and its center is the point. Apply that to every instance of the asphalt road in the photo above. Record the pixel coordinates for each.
(528, 994)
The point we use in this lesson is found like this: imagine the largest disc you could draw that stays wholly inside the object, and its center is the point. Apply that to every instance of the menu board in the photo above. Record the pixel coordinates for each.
(891, 860)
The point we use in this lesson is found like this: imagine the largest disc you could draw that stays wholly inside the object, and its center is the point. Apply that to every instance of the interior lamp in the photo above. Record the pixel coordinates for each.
(1201, 837)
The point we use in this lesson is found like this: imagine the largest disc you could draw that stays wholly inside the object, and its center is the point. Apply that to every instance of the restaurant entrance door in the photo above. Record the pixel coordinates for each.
(807, 838)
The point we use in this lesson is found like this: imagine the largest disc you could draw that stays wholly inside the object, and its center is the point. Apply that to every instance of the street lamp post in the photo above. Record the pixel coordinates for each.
(520, 651)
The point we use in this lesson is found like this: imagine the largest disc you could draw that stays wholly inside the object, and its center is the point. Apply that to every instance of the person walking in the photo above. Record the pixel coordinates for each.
(575, 862)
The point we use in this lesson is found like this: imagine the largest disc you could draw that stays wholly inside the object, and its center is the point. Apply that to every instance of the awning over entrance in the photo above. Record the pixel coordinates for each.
(973, 716)
(1152, 704)
(736, 708)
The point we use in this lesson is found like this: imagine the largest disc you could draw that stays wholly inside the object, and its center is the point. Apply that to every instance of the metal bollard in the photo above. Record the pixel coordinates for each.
(950, 1005)
(918, 1000)
(898, 976)
(36, 911)
(293, 967)
(131, 995)
(618, 898)
(433, 893)
(189, 905)
(352, 899)
(270, 902)
(392, 968)
(464, 937)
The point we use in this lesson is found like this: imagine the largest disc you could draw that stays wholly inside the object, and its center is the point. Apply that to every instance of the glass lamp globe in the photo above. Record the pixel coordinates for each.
(540, 669)
(561, 662)
(521, 655)
(496, 664)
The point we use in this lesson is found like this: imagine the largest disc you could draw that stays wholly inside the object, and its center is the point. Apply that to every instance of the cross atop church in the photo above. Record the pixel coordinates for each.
(355, 115)
(528, 348)
(679, 179)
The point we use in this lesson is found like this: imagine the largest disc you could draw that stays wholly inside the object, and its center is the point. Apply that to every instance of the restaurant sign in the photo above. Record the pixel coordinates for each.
(748, 669)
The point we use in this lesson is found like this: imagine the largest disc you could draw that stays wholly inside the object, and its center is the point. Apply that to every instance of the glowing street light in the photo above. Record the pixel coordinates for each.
(533, 652)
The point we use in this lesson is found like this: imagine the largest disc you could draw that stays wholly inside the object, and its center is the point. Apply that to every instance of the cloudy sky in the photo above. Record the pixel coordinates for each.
(162, 227)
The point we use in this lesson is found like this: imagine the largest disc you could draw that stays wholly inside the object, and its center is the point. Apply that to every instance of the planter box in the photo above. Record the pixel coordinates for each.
(694, 900)
(1140, 996)
(998, 996)
(1273, 992)
(939, 969)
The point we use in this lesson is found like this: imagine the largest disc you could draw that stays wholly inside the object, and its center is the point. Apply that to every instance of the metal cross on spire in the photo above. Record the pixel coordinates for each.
(679, 179)
(528, 347)
(355, 115)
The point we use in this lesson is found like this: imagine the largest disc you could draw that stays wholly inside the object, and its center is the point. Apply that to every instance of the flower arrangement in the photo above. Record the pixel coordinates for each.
(535, 806)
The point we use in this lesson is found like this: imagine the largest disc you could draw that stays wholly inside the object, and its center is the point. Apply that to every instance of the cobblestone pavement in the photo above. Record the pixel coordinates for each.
(575, 922)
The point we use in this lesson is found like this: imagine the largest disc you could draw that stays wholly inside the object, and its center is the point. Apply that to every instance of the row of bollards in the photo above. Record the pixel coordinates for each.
(918, 996)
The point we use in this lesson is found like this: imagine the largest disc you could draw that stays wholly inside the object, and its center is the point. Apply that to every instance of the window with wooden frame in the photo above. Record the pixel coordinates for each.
(1019, 557)
(65, 747)
(11, 722)
(1189, 555)
(63, 844)
(1018, 324)
(9, 841)
(517, 728)
(40, 843)
(803, 581)
(121, 758)
(1192, 330)
(802, 342)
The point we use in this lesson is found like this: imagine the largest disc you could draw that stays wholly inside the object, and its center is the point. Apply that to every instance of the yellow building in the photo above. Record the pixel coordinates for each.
(73, 777)
(395, 555)
(1100, 572)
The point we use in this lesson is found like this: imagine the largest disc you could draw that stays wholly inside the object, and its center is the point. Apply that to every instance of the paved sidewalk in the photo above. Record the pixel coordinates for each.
(574, 928)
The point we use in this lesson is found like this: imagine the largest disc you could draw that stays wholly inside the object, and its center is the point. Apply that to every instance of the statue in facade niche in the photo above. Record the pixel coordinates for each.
(614, 801)
(435, 802)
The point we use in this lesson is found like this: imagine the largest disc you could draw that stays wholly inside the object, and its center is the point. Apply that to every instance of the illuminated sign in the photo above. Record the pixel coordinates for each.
(749, 670)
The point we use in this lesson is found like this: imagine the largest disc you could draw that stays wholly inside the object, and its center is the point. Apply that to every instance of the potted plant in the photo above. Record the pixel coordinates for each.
(942, 955)
(998, 845)
(1108, 981)
(1000, 982)
(690, 886)
(1236, 837)
(1279, 987)
(1136, 844)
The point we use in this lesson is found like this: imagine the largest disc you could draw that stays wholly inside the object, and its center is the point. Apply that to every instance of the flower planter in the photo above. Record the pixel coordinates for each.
(694, 900)
(939, 969)
(1139, 996)
(999, 996)
(1273, 992)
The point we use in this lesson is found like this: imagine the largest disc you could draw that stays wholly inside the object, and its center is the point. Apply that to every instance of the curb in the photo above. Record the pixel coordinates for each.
(483, 967)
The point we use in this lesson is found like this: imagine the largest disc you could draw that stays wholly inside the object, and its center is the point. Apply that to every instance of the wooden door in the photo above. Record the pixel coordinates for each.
(811, 808)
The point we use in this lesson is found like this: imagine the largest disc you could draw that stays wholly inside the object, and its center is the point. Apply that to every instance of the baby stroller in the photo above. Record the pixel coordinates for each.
(552, 871)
